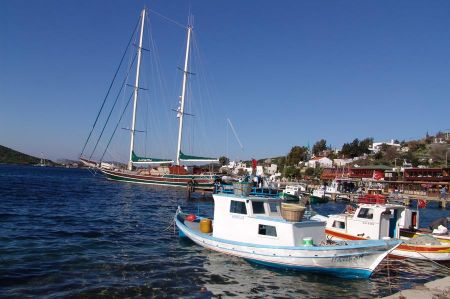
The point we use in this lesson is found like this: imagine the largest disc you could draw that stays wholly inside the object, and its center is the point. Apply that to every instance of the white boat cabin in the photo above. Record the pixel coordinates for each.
(258, 220)
(374, 221)
(294, 189)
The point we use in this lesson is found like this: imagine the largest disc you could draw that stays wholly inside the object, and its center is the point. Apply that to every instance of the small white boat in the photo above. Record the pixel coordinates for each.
(293, 191)
(260, 230)
(375, 219)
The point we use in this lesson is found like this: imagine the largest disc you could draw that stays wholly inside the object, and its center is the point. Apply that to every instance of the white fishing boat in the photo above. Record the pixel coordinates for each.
(293, 191)
(270, 232)
(164, 173)
(375, 219)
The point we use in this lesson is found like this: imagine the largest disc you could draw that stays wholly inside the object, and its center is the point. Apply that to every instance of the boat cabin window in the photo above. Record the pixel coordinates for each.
(258, 207)
(365, 213)
(267, 230)
(339, 224)
(238, 207)
(273, 207)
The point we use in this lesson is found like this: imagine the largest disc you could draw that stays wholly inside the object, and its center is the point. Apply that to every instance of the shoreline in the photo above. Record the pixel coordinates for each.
(439, 288)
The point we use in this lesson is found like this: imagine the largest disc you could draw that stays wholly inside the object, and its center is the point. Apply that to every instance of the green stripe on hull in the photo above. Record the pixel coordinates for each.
(149, 182)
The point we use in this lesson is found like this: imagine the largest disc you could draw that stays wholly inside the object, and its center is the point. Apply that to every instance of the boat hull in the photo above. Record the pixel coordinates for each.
(353, 261)
(404, 250)
(317, 199)
(198, 182)
(412, 234)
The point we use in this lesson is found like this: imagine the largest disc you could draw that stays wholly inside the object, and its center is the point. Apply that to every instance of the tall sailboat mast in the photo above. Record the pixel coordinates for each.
(136, 89)
(183, 93)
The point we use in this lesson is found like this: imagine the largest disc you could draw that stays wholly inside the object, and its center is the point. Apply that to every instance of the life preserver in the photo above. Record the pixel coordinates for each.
(349, 209)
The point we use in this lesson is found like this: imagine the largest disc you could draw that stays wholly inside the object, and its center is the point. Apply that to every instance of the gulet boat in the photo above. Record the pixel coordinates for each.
(174, 175)
(272, 233)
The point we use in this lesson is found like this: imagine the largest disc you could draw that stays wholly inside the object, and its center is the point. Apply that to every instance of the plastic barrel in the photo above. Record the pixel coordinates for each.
(206, 225)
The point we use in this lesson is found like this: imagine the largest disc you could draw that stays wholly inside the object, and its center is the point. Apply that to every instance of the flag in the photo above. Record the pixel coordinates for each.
(421, 203)
(254, 163)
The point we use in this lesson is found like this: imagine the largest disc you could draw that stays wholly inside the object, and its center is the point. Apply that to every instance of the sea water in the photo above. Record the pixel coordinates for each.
(72, 233)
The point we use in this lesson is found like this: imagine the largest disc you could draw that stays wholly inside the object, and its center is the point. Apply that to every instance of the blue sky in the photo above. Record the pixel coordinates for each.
(285, 72)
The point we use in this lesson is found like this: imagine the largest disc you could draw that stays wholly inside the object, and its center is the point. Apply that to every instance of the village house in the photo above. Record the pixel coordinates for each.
(318, 161)
(376, 146)
(342, 162)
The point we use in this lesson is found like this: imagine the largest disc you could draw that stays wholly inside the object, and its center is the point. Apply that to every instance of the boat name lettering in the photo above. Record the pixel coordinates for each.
(343, 259)
(368, 223)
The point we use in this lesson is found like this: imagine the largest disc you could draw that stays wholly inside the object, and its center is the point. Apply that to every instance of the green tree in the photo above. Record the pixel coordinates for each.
(288, 171)
(297, 154)
(309, 171)
(319, 146)
(356, 148)
(224, 160)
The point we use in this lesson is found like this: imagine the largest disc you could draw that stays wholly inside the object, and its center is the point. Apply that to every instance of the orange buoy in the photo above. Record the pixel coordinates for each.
(191, 217)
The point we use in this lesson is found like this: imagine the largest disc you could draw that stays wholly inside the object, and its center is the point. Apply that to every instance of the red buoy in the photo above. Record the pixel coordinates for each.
(191, 217)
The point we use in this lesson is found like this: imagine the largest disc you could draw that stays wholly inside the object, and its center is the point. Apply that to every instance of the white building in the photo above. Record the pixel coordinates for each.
(376, 146)
(270, 170)
(323, 162)
(342, 162)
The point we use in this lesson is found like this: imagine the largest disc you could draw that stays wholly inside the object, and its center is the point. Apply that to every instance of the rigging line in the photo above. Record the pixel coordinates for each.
(109, 89)
(115, 129)
(235, 134)
(162, 94)
(112, 108)
(168, 19)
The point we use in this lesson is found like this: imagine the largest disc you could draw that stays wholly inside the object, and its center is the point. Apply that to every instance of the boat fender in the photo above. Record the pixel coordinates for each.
(349, 209)
(190, 217)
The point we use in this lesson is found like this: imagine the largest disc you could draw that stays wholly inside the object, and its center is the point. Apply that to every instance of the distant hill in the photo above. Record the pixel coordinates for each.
(11, 156)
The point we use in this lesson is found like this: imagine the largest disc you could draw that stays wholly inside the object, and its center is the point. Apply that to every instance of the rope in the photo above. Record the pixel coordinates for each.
(109, 89)
(166, 18)
(172, 224)
(115, 129)
(389, 274)
(112, 108)
(434, 262)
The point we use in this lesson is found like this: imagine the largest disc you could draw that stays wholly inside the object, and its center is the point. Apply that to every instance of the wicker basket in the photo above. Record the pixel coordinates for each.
(292, 212)
(242, 188)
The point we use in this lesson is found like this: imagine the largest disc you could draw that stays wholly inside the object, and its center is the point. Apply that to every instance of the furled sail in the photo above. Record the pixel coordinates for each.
(137, 159)
(196, 159)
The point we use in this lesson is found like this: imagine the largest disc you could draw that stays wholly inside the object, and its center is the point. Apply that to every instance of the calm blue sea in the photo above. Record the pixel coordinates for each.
(71, 233)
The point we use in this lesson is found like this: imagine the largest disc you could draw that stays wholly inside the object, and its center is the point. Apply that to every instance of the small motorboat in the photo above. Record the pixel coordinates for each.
(273, 233)
(374, 218)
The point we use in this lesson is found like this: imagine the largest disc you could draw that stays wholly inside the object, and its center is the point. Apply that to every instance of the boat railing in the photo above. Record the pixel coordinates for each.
(254, 191)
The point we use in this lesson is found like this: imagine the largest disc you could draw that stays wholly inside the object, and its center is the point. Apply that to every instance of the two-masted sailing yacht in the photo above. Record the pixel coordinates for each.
(166, 173)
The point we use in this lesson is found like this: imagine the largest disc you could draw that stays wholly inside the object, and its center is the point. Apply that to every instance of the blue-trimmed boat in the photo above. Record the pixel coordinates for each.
(269, 232)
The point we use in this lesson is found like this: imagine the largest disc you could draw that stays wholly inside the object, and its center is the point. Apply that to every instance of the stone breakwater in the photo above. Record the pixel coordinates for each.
(437, 289)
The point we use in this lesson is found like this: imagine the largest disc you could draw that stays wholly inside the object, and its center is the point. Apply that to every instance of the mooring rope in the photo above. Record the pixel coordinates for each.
(434, 262)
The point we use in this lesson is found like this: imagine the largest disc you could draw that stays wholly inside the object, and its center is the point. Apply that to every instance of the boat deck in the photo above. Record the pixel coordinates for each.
(195, 225)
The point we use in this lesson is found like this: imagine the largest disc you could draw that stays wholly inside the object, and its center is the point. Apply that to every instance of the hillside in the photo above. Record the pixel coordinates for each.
(11, 156)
